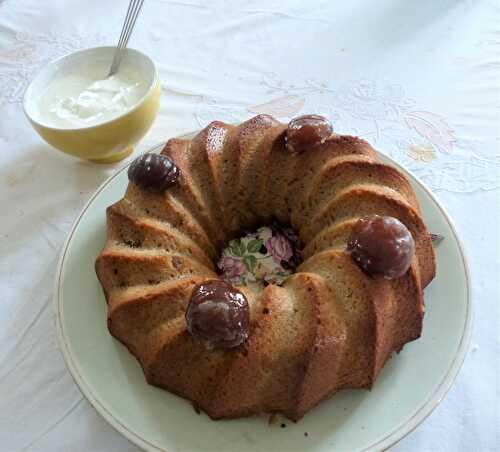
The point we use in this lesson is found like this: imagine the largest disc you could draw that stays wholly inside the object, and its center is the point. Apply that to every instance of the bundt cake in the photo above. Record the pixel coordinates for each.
(354, 299)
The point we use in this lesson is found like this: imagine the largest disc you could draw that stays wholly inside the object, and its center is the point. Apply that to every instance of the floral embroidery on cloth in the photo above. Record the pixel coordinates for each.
(267, 256)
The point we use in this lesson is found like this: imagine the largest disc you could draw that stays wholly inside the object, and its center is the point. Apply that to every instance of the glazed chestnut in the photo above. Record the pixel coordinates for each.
(218, 314)
(307, 131)
(153, 172)
(381, 246)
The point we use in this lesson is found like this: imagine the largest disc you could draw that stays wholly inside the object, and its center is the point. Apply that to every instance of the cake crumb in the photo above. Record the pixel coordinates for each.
(306, 434)
(283, 425)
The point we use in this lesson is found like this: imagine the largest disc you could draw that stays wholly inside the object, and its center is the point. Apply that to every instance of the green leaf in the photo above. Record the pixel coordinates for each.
(238, 248)
(250, 262)
(254, 246)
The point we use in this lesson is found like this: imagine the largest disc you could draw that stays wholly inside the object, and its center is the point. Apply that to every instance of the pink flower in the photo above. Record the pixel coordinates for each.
(279, 247)
(232, 269)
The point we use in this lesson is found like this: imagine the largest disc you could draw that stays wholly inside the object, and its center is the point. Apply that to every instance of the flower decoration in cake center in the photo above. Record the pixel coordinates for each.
(266, 256)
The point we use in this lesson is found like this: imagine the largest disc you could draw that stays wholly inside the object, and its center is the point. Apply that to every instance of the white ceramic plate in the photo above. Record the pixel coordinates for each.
(408, 389)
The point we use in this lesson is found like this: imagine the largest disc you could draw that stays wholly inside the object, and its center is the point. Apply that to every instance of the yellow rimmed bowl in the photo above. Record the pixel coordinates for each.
(108, 141)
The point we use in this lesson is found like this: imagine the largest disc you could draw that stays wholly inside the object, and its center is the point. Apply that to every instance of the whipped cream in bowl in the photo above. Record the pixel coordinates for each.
(66, 103)
(74, 97)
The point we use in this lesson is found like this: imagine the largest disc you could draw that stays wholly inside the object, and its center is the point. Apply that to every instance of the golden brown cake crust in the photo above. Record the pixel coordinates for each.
(328, 327)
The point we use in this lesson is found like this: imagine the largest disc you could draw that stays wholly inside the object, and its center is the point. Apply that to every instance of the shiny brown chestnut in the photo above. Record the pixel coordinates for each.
(307, 131)
(153, 172)
(218, 314)
(381, 246)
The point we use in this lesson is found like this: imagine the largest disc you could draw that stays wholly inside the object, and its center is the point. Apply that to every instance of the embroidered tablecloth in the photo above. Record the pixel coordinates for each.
(419, 80)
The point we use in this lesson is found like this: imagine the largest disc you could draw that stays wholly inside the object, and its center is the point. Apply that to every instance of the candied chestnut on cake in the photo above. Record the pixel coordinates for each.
(153, 172)
(382, 246)
(218, 314)
(307, 131)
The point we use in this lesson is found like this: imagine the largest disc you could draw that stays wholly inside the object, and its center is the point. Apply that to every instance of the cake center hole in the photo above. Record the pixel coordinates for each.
(267, 255)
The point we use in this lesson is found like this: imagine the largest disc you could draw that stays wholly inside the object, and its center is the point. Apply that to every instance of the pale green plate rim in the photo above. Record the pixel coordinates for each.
(387, 441)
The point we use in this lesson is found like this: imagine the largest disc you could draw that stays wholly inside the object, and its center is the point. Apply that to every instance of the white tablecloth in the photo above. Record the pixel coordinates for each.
(419, 79)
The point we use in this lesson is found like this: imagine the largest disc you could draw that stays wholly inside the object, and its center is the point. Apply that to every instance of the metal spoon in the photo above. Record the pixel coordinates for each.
(134, 8)
(436, 239)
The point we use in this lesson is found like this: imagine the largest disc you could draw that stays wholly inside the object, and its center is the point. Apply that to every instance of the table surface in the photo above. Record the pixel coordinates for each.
(419, 80)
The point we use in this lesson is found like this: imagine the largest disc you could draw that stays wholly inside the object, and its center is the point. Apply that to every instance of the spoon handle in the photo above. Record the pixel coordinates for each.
(134, 8)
